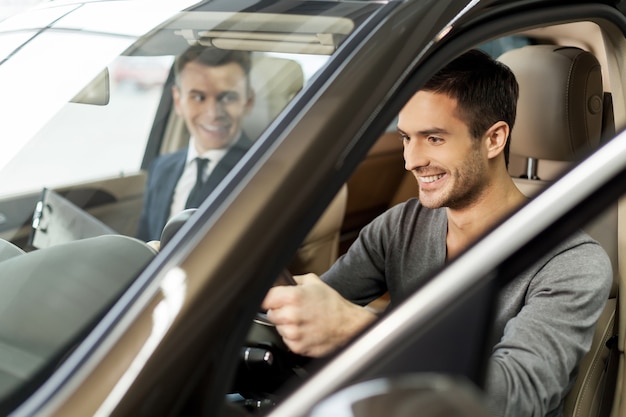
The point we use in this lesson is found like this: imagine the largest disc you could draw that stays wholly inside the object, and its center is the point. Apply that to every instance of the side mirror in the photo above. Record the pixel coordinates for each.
(96, 92)
(405, 396)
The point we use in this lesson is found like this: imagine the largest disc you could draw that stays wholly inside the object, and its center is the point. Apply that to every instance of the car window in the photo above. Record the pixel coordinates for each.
(94, 114)
(497, 47)
(90, 141)
(84, 116)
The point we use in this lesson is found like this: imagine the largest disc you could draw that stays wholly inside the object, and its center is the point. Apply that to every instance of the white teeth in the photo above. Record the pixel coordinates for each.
(212, 128)
(431, 178)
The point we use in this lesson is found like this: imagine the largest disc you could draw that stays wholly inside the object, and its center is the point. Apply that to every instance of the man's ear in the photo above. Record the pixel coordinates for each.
(176, 99)
(496, 138)
(250, 101)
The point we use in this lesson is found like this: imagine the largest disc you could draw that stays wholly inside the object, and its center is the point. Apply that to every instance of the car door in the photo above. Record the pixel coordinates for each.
(173, 342)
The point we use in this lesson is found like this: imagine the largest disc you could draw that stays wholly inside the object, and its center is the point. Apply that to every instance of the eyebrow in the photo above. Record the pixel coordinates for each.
(426, 132)
(197, 91)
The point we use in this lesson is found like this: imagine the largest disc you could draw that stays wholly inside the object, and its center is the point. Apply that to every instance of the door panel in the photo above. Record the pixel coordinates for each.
(115, 202)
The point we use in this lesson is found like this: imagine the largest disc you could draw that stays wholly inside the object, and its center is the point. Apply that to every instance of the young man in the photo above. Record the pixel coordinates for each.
(212, 94)
(455, 132)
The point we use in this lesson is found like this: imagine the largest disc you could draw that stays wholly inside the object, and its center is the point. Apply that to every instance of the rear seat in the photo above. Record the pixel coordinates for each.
(568, 81)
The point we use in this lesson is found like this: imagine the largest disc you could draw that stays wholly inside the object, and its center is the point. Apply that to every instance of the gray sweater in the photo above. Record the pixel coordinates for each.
(544, 320)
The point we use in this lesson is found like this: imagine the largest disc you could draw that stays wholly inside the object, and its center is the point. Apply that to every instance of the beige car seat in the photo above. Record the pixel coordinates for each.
(275, 82)
(372, 185)
(320, 248)
(561, 115)
(50, 297)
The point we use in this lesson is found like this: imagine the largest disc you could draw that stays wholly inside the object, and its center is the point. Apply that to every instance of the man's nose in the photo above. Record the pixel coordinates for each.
(213, 107)
(414, 155)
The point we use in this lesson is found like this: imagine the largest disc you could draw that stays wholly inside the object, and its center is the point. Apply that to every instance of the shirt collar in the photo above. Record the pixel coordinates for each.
(213, 155)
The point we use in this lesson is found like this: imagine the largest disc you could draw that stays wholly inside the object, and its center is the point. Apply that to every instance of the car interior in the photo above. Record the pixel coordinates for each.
(572, 81)
(567, 75)
(569, 80)
(555, 68)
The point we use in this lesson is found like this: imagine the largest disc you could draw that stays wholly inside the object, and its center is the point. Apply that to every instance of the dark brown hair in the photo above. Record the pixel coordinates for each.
(213, 57)
(486, 91)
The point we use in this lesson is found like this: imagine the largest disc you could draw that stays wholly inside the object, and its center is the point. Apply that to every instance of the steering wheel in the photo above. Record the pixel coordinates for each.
(265, 361)
(174, 224)
(263, 331)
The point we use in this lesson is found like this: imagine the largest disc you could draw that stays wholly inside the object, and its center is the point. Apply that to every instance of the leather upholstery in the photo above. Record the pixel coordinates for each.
(320, 248)
(559, 112)
(8, 250)
(57, 302)
(275, 82)
(374, 184)
(318, 251)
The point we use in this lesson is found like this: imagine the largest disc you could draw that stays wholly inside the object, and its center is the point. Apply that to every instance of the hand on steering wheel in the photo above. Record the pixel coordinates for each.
(285, 278)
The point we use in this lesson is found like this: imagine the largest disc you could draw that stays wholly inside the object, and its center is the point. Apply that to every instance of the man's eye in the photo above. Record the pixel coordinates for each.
(197, 97)
(404, 138)
(435, 139)
(229, 97)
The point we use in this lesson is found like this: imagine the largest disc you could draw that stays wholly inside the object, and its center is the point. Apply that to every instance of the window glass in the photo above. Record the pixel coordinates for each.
(84, 142)
(497, 47)
(82, 103)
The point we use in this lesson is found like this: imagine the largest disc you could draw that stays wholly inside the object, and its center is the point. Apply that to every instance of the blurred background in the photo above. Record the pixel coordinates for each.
(9, 7)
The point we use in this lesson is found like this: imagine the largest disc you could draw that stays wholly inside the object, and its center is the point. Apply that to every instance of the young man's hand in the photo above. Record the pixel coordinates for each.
(312, 318)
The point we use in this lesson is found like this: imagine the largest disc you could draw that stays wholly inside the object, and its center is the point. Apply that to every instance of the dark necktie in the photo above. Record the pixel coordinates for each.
(195, 196)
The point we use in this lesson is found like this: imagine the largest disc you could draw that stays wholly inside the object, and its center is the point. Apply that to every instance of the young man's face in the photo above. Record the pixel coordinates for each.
(449, 164)
(213, 102)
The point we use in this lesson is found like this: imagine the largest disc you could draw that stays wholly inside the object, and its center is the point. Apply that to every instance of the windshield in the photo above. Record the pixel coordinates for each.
(102, 124)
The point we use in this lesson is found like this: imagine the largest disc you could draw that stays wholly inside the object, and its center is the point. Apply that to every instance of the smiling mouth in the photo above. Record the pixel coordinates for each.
(430, 178)
(214, 129)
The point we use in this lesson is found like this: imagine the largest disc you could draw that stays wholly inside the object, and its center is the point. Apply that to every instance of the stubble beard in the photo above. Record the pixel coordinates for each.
(467, 184)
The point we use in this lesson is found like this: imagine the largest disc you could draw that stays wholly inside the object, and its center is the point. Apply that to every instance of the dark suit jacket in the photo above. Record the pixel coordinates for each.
(163, 176)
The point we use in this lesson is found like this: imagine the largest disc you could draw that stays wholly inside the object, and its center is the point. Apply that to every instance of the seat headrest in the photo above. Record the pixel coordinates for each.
(275, 82)
(559, 112)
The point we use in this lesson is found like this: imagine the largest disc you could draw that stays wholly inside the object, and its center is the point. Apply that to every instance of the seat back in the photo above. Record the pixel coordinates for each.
(8, 250)
(559, 120)
(568, 82)
(372, 185)
(320, 248)
(318, 251)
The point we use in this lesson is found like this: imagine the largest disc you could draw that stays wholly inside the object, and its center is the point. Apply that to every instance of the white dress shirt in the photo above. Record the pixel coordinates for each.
(188, 179)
